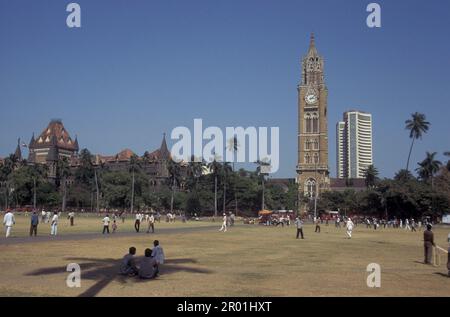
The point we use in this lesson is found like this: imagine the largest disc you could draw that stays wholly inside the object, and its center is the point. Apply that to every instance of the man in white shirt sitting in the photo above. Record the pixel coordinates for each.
(8, 221)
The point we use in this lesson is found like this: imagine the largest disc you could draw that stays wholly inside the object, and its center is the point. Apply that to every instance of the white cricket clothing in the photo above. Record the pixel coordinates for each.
(106, 221)
(8, 219)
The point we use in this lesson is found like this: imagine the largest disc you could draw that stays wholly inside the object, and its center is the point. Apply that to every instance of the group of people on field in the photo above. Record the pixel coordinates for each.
(148, 267)
(9, 222)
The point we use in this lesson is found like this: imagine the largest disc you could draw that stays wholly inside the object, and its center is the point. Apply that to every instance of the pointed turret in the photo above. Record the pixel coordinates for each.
(312, 65)
(164, 150)
(18, 152)
(31, 144)
(75, 144)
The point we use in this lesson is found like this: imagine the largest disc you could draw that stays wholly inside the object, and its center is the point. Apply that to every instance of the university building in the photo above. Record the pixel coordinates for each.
(55, 143)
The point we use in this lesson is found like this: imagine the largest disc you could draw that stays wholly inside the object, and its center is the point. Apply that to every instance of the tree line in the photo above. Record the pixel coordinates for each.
(216, 187)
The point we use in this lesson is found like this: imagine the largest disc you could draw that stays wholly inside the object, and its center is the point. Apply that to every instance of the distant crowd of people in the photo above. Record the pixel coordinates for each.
(110, 223)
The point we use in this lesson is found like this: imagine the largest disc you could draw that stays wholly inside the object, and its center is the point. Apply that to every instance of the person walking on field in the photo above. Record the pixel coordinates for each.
(407, 227)
(317, 225)
(428, 244)
(34, 223)
(350, 226)
(299, 224)
(54, 224)
(71, 218)
(413, 225)
(137, 223)
(106, 222)
(114, 226)
(8, 221)
(151, 224)
(224, 224)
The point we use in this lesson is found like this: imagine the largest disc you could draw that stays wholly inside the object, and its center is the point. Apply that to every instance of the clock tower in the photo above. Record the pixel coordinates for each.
(312, 167)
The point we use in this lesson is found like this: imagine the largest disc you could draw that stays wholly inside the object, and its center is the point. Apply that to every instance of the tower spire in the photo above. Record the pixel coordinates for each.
(312, 46)
(18, 152)
(164, 150)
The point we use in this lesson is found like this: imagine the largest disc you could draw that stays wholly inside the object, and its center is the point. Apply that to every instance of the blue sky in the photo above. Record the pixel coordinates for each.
(136, 69)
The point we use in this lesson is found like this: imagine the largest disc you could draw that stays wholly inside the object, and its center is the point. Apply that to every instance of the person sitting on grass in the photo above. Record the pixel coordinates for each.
(148, 267)
(128, 266)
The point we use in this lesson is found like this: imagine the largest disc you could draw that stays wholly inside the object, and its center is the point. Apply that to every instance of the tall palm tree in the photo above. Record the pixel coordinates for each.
(233, 146)
(64, 173)
(403, 175)
(417, 126)
(215, 168)
(134, 166)
(10, 164)
(371, 176)
(174, 170)
(226, 171)
(262, 172)
(429, 167)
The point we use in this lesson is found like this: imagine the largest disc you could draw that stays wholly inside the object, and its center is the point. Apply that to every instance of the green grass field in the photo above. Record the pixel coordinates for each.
(248, 260)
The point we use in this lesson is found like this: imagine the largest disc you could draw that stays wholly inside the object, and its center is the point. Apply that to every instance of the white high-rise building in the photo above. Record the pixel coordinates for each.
(354, 144)
(340, 130)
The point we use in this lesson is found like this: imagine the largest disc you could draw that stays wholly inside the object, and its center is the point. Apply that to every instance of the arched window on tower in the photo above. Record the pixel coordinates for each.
(316, 158)
(316, 144)
(307, 158)
(308, 144)
(310, 188)
(315, 123)
(308, 123)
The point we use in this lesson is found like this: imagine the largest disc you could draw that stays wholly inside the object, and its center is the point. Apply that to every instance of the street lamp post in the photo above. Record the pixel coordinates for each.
(316, 189)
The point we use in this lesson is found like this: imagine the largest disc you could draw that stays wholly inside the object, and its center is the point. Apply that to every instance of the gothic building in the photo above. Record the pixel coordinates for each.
(312, 168)
(55, 143)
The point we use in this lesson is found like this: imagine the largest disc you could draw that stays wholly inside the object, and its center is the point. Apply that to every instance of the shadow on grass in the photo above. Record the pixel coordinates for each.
(442, 274)
(104, 271)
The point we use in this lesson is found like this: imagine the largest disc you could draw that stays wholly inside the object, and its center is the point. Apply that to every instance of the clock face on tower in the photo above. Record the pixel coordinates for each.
(311, 99)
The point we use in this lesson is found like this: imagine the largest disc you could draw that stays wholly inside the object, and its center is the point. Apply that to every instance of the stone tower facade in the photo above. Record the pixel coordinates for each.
(312, 168)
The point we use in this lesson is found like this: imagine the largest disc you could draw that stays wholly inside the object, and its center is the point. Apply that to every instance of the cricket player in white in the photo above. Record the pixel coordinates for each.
(350, 226)
(8, 221)
(407, 227)
(224, 224)
(54, 230)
